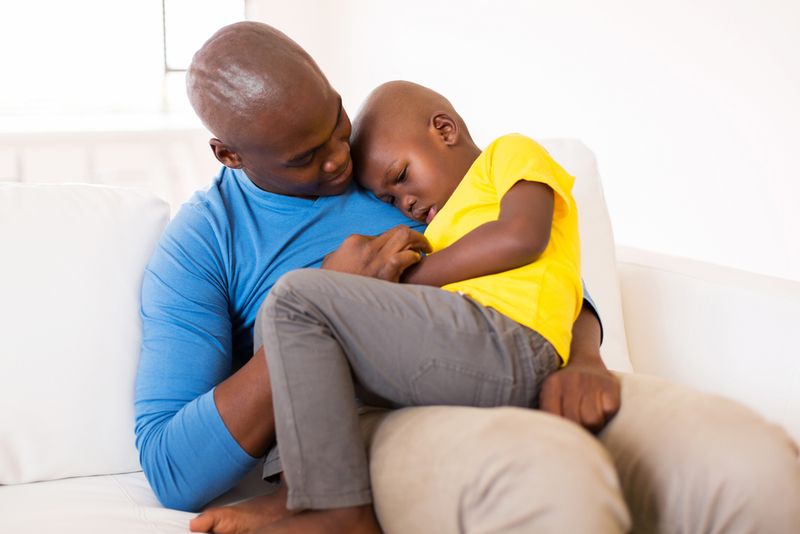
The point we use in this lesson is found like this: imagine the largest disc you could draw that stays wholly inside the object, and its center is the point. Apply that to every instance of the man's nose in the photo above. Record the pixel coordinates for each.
(337, 158)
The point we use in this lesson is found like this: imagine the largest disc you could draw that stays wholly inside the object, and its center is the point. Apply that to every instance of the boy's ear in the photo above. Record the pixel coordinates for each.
(446, 127)
(224, 154)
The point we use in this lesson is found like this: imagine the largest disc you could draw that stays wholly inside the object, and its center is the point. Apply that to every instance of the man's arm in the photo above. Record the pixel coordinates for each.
(185, 449)
(518, 237)
(385, 256)
(584, 391)
(244, 400)
(199, 428)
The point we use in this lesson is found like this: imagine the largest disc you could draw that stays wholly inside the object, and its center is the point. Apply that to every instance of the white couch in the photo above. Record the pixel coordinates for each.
(72, 260)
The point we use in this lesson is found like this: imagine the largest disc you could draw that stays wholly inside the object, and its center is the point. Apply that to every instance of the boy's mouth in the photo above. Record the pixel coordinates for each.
(430, 215)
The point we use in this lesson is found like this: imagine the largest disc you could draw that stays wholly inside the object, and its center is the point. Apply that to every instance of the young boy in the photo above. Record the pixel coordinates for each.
(503, 231)
(508, 237)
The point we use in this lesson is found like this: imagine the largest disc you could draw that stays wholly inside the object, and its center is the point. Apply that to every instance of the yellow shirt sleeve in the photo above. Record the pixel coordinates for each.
(544, 295)
(516, 157)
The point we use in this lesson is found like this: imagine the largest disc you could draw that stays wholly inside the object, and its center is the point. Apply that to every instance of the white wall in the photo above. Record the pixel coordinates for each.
(691, 106)
(169, 158)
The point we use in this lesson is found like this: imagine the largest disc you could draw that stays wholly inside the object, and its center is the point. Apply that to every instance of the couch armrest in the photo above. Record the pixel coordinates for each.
(714, 328)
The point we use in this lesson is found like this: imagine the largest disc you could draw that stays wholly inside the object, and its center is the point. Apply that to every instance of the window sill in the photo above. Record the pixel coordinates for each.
(12, 127)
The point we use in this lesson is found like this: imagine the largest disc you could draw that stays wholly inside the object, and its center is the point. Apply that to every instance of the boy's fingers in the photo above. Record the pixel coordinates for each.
(592, 413)
(571, 404)
(550, 396)
(610, 403)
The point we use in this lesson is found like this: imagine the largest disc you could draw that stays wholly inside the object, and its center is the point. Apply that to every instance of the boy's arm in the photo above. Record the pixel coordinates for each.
(584, 391)
(516, 238)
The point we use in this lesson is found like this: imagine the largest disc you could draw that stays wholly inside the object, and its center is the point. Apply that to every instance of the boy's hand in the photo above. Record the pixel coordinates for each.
(385, 256)
(582, 392)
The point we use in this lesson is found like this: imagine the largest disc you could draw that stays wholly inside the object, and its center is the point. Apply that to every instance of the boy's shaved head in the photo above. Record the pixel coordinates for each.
(400, 104)
(411, 148)
(243, 70)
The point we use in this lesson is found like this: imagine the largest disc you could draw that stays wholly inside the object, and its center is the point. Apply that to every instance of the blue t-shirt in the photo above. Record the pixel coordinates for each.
(210, 272)
(202, 289)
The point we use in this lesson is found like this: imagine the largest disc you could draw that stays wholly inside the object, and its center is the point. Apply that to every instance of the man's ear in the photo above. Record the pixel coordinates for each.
(225, 154)
(446, 127)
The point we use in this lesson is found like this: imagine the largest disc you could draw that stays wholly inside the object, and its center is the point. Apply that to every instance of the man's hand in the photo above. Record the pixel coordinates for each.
(585, 393)
(385, 256)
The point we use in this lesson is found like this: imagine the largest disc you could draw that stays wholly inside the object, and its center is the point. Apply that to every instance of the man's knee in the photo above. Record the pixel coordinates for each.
(758, 478)
(546, 475)
(492, 470)
(745, 477)
(690, 461)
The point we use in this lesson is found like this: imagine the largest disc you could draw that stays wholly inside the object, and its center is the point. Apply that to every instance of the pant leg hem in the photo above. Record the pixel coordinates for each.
(297, 500)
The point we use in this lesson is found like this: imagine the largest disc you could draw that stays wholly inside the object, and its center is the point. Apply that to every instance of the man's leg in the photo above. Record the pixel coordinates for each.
(694, 462)
(447, 469)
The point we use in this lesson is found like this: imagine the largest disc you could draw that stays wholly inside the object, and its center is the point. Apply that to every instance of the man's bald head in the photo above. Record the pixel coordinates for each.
(243, 71)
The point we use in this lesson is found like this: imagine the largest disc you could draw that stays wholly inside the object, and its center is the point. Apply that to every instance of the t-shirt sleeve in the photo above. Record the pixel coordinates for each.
(588, 302)
(516, 157)
(185, 450)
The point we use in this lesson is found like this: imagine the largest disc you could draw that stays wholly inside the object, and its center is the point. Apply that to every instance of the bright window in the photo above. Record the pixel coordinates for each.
(188, 23)
(103, 57)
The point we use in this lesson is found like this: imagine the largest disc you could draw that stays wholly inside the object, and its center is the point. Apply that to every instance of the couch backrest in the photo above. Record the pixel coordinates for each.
(598, 260)
(70, 277)
(72, 263)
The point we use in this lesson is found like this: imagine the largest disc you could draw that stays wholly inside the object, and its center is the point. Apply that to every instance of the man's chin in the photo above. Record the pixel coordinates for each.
(334, 188)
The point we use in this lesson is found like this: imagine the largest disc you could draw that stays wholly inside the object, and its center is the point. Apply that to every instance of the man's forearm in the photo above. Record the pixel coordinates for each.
(244, 401)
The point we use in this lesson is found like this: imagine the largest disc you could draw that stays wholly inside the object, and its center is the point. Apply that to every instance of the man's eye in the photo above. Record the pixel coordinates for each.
(389, 199)
(401, 177)
(303, 160)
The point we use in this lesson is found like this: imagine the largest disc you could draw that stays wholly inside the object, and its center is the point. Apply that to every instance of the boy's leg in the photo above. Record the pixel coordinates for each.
(694, 462)
(408, 344)
(449, 469)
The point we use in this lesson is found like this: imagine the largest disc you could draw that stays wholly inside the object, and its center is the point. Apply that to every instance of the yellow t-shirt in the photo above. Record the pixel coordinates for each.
(545, 295)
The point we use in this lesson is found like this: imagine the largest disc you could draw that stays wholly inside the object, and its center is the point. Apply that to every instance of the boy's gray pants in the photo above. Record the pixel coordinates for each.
(404, 345)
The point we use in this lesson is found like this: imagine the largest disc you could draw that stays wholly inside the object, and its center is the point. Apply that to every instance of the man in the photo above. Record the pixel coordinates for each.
(285, 200)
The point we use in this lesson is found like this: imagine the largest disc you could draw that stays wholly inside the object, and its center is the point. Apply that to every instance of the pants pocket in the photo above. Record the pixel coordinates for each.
(443, 382)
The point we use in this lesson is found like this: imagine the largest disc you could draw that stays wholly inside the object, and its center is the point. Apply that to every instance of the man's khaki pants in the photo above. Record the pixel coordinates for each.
(673, 460)
(687, 462)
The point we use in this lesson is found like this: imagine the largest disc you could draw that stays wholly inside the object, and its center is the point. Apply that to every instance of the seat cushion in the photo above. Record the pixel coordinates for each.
(70, 277)
(118, 504)
(122, 504)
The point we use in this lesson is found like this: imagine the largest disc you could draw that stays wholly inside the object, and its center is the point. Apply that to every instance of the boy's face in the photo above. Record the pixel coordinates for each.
(414, 171)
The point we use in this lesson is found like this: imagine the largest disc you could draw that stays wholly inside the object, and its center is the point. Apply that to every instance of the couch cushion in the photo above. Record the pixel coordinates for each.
(109, 504)
(598, 260)
(118, 504)
(73, 258)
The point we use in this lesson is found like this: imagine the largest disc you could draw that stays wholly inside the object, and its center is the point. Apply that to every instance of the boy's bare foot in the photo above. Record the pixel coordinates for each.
(355, 520)
(243, 517)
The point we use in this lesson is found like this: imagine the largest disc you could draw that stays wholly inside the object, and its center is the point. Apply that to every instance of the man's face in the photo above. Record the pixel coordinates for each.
(413, 171)
(302, 148)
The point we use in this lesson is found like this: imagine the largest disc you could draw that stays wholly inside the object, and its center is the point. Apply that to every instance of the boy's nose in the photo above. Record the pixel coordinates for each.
(407, 203)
